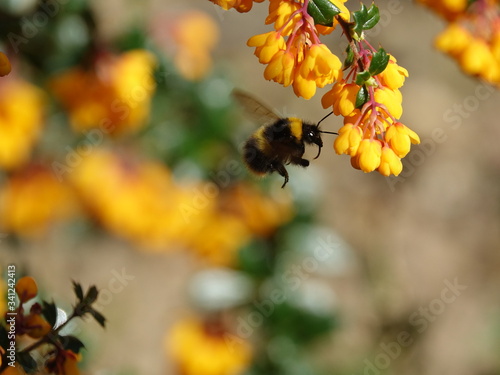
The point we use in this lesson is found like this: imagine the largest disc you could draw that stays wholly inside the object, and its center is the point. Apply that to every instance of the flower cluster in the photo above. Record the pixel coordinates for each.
(139, 200)
(293, 52)
(472, 36)
(368, 96)
(114, 95)
(372, 134)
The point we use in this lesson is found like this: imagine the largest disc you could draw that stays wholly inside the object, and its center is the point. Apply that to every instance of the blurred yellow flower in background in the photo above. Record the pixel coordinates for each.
(21, 120)
(134, 199)
(33, 199)
(204, 349)
(115, 95)
(195, 35)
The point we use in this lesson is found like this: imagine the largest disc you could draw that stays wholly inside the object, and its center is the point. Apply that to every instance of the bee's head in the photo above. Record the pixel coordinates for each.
(312, 135)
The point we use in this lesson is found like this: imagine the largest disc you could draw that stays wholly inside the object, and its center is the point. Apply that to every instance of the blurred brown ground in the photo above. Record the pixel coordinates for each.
(440, 222)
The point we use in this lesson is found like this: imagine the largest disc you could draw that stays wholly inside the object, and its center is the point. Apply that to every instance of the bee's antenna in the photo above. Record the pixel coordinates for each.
(321, 131)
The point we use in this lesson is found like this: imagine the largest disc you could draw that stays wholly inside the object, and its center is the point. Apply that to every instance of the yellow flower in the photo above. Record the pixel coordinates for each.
(476, 58)
(280, 12)
(368, 155)
(5, 66)
(199, 349)
(399, 137)
(241, 6)
(114, 96)
(319, 68)
(195, 35)
(453, 40)
(390, 163)
(34, 199)
(392, 99)
(26, 288)
(21, 120)
(280, 68)
(135, 200)
(394, 75)
(267, 45)
(343, 97)
(348, 140)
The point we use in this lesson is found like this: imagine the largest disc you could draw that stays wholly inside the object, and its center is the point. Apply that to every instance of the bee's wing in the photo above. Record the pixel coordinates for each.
(259, 112)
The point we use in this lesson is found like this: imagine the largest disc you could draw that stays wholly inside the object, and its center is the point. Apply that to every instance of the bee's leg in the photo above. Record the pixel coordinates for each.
(300, 161)
(280, 168)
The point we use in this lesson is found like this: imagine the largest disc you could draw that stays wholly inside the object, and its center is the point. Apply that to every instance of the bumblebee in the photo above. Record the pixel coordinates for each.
(280, 141)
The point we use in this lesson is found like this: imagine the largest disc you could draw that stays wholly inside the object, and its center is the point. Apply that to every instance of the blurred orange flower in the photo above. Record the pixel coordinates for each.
(32, 199)
(114, 96)
(21, 120)
(199, 349)
(5, 66)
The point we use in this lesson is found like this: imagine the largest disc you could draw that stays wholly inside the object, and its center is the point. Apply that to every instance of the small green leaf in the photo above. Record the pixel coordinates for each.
(98, 317)
(49, 311)
(373, 16)
(379, 62)
(322, 11)
(359, 19)
(350, 57)
(71, 343)
(78, 290)
(362, 77)
(362, 97)
(365, 19)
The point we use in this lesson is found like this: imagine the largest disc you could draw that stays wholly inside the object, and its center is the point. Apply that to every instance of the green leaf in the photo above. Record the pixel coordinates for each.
(26, 361)
(362, 97)
(350, 57)
(78, 290)
(71, 343)
(362, 77)
(365, 19)
(49, 311)
(359, 19)
(99, 318)
(322, 11)
(373, 16)
(379, 62)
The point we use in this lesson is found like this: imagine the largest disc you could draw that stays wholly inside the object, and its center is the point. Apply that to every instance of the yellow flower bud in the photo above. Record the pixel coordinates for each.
(392, 99)
(369, 151)
(280, 68)
(394, 75)
(389, 162)
(343, 98)
(26, 288)
(400, 138)
(304, 87)
(348, 140)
